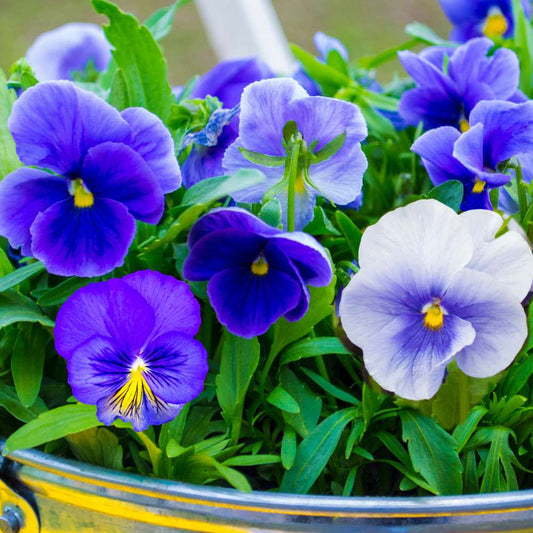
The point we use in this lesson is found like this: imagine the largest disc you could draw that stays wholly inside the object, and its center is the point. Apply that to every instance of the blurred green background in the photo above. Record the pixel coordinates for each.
(365, 26)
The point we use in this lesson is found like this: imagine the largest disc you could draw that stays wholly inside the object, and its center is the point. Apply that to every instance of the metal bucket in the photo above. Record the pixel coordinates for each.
(42, 493)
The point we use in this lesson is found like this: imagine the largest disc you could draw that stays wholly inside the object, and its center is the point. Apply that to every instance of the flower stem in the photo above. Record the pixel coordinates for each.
(522, 198)
(292, 171)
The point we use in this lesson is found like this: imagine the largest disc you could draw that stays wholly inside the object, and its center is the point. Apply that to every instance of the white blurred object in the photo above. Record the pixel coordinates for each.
(240, 28)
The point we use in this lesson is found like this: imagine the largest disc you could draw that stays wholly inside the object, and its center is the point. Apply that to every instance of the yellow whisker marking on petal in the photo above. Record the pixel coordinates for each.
(495, 24)
(434, 315)
(131, 395)
(464, 125)
(260, 266)
(479, 186)
(82, 197)
(299, 184)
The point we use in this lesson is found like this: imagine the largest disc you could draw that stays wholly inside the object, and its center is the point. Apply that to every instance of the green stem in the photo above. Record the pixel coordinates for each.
(292, 170)
(522, 197)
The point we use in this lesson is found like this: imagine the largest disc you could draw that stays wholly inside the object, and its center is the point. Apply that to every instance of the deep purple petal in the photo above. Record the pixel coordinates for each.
(85, 242)
(24, 194)
(115, 171)
(433, 106)
(153, 142)
(55, 123)
(109, 309)
(425, 73)
(174, 305)
(248, 304)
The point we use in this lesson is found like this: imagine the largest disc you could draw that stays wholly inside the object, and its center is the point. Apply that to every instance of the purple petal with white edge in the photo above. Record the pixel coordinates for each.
(229, 218)
(109, 309)
(508, 129)
(173, 303)
(425, 73)
(24, 194)
(176, 367)
(85, 242)
(248, 304)
(56, 54)
(153, 142)
(426, 236)
(497, 317)
(116, 172)
(435, 148)
(263, 114)
(507, 259)
(307, 255)
(55, 123)
(226, 248)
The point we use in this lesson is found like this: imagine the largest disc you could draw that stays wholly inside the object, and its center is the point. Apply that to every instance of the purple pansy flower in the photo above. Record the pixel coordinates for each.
(256, 273)
(492, 18)
(266, 107)
(226, 81)
(499, 131)
(130, 349)
(450, 82)
(57, 54)
(434, 286)
(92, 171)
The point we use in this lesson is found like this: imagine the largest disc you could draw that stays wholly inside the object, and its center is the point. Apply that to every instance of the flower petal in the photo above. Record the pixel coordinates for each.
(432, 106)
(86, 242)
(24, 194)
(153, 142)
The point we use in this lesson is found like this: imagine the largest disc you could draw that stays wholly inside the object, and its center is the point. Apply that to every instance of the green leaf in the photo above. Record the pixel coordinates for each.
(271, 213)
(252, 460)
(378, 125)
(426, 35)
(211, 189)
(499, 475)
(9, 400)
(17, 308)
(518, 375)
(288, 448)
(351, 232)
(331, 389)
(449, 193)
(313, 348)
(160, 22)
(118, 92)
(262, 159)
(280, 398)
(58, 294)
(19, 275)
(97, 446)
(239, 360)
(9, 160)
(52, 425)
(314, 452)
(5, 264)
(27, 363)
(433, 452)
(529, 342)
(139, 57)
(464, 431)
(523, 37)
(329, 150)
(371, 62)
(321, 225)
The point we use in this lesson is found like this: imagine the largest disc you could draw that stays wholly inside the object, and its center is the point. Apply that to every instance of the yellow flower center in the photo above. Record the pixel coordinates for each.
(82, 197)
(433, 316)
(495, 24)
(299, 184)
(464, 125)
(479, 186)
(260, 266)
(131, 395)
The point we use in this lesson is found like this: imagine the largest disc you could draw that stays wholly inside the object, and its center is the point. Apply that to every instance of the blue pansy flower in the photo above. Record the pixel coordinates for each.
(130, 349)
(91, 172)
(492, 18)
(498, 131)
(450, 82)
(226, 81)
(256, 273)
(59, 53)
(435, 286)
(266, 107)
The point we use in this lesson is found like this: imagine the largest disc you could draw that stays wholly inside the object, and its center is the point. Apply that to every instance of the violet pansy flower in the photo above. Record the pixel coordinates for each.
(492, 18)
(59, 53)
(498, 131)
(91, 172)
(450, 82)
(435, 286)
(256, 273)
(266, 108)
(130, 349)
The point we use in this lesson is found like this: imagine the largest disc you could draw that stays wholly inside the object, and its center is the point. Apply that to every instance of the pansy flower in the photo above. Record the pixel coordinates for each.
(130, 349)
(256, 273)
(498, 131)
(91, 172)
(60, 53)
(435, 286)
(226, 81)
(450, 82)
(492, 18)
(266, 108)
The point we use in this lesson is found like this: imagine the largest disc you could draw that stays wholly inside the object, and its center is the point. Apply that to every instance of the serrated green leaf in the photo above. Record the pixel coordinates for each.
(18, 276)
(280, 398)
(499, 475)
(449, 193)
(17, 308)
